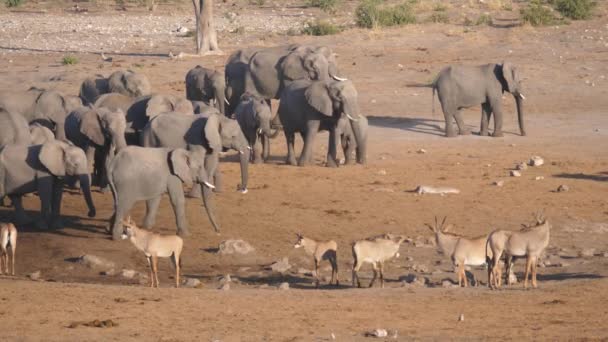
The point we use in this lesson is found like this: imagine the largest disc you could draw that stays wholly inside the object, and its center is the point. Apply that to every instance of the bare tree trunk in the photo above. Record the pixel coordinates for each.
(206, 37)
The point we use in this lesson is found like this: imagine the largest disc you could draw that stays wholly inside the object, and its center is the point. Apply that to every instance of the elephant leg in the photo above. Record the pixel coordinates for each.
(349, 148)
(486, 111)
(332, 148)
(178, 202)
(463, 130)
(217, 180)
(20, 216)
(45, 193)
(265, 146)
(123, 207)
(258, 150)
(290, 137)
(497, 111)
(56, 204)
(309, 141)
(151, 209)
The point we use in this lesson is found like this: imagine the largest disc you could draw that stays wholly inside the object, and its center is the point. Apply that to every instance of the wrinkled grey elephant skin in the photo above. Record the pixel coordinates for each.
(255, 119)
(125, 82)
(14, 129)
(205, 85)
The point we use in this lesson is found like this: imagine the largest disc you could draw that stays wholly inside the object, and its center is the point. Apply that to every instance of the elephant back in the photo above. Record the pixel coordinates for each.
(14, 129)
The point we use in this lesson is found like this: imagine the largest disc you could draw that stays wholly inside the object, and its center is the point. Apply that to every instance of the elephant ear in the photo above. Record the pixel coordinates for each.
(317, 96)
(183, 106)
(159, 104)
(90, 126)
(292, 66)
(180, 164)
(212, 133)
(508, 73)
(52, 157)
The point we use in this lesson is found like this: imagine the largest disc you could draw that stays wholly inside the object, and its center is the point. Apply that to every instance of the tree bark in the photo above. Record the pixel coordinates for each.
(206, 37)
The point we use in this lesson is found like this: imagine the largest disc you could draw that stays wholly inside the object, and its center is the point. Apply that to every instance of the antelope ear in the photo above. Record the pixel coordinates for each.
(180, 163)
(433, 229)
(317, 96)
(508, 73)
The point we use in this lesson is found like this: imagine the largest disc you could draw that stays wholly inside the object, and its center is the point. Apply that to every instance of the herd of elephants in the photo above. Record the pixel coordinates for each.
(119, 135)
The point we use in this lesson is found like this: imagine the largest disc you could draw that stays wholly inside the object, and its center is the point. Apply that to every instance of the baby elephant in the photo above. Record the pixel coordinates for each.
(155, 246)
(321, 250)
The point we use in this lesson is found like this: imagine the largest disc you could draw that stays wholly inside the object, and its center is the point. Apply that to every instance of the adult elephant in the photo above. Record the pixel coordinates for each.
(254, 116)
(305, 105)
(206, 85)
(14, 129)
(138, 173)
(127, 83)
(39, 105)
(97, 131)
(40, 133)
(467, 86)
(42, 168)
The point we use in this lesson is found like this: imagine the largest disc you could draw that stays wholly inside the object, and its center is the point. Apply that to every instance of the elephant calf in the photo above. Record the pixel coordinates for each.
(254, 117)
(127, 83)
(346, 137)
(141, 173)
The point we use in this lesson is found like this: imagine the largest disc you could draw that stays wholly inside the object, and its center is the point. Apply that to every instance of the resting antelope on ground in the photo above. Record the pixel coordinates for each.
(321, 250)
(155, 246)
(8, 238)
(462, 251)
(376, 252)
(530, 242)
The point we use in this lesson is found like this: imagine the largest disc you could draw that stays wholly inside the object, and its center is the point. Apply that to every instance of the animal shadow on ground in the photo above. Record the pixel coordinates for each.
(296, 282)
(417, 125)
(566, 276)
(505, 22)
(599, 177)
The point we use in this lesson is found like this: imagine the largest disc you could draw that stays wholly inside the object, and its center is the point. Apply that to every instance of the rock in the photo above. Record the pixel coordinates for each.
(35, 275)
(499, 183)
(521, 166)
(94, 261)
(539, 178)
(409, 258)
(536, 161)
(421, 151)
(461, 318)
(587, 252)
(563, 188)
(226, 279)
(109, 273)
(377, 333)
(420, 268)
(235, 247)
(129, 274)
(512, 278)
(605, 255)
(382, 172)
(448, 284)
(182, 29)
(284, 286)
(225, 287)
(415, 280)
(281, 266)
(515, 173)
(191, 282)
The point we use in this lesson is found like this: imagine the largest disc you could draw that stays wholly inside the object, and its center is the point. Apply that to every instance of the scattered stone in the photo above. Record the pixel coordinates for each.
(281, 266)
(235, 247)
(182, 29)
(382, 172)
(377, 333)
(587, 253)
(108, 323)
(521, 166)
(226, 279)
(536, 161)
(108, 273)
(225, 287)
(448, 284)
(421, 151)
(284, 286)
(94, 261)
(192, 282)
(461, 318)
(409, 258)
(539, 178)
(129, 274)
(35, 275)
(563, 188)
(512, 278)
(425, 189)
(499, 183)
(515, 173)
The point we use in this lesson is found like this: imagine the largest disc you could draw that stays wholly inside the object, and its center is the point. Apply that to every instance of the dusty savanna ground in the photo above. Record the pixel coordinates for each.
(564, 70)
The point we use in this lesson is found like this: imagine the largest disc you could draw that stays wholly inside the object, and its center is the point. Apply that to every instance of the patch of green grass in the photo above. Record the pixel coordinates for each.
(328, 6)
(483, 19)
(69, 60)
(507, 7)
(320, 28)
(439, 17)
(440, 8)
(537, 14)
(13, 3)
(575, 9)
(371, 13)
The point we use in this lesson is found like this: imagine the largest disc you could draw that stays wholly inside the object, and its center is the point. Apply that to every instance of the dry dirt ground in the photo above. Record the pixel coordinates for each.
(564, 70)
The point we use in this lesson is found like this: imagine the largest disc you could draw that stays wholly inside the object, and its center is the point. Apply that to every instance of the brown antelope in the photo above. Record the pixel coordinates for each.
(462, 251)
(321, 250)
(530, 242)
(8, 238)
(155, 246)
(376, 252)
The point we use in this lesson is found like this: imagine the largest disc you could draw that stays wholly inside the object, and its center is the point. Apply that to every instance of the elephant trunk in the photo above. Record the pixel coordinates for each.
(333, 72)
(520, 113)
(85, 185)
(267, 130)
(361, 141)
(220, 100)
(245, 154)
(209, 206)
(119, 142)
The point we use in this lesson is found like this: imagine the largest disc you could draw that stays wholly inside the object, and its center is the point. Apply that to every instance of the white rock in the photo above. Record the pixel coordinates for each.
(284, 286)
(425, 189)
(235, 247)
(515, 173)
(536, 161)
(281, 266)
(563, 188)
(499, 183)
(421, 151)
(35, 275)
(129, 274)
(539, 178)
(461, 318)
(378, 333)
(192, 282)
(521, 166)
(382, 172)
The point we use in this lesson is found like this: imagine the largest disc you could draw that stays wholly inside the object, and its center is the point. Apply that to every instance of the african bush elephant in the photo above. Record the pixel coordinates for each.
(254, 117)
(97, 131)
(345, 136)
(205, 85)
(42, 168)
(305, 105)
(139, 173)
(127, 83)
(467, 86)
(208, 135)
(41, 105)
(14, 129)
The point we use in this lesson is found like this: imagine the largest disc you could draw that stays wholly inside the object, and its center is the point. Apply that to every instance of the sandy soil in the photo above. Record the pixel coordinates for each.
(564, 70)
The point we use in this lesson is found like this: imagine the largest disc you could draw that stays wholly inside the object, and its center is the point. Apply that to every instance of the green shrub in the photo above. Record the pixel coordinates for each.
(13, 3)
(69, 60)
(575, 9)
(370, 14)
(439, 17)
(484, 19)
(328, 6)
(536, 14)
(320, 28)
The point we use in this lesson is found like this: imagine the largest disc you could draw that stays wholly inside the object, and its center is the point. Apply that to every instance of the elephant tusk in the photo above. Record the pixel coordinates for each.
(339, 78)
(209, 185)
(522, 96)
(350, 117)
(249, 148)
(260, 131)
(226, 100)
